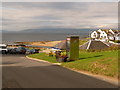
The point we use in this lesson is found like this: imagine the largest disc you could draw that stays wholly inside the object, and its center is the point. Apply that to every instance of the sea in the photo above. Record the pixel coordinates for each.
(22, 37)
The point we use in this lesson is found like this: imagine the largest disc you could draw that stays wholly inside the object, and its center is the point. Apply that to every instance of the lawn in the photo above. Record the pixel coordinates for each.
(81, 42)
(44, 56)
(103, 63)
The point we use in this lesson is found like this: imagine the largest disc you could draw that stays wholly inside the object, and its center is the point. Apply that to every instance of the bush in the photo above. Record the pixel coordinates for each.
(114, 47)
(117, 41)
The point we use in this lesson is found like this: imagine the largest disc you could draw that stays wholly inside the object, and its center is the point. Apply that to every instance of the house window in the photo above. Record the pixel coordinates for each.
(94, 35)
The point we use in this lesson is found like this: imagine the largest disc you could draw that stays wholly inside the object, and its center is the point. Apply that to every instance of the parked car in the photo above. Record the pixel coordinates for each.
(32, 51)
(29, 51)
(37, 50)
(11, 50)
(3, 49)
(21, 50)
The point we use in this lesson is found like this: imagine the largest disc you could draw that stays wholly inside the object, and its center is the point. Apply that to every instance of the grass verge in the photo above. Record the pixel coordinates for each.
(43, 56)
(102, 63)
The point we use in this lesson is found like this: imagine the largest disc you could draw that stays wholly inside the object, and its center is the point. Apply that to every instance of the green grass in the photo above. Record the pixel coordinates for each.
(81, 42)
(43, 56)
(117, 41)
(103, 63)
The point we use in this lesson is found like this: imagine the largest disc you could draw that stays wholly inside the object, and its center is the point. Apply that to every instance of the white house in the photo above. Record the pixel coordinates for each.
(94, 34)
(111, 36)
(105, 35)
(118, 36)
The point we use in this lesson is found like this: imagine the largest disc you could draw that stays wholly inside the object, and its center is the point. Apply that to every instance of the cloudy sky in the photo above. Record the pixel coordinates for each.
(18, 16)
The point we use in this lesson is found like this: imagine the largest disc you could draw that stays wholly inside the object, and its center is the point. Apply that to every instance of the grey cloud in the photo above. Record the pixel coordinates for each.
(73, 15)
(4, 19)
(47, 17)
(50, 5)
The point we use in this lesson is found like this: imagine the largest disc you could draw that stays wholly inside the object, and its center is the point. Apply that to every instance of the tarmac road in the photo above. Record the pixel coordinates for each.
(20, 72)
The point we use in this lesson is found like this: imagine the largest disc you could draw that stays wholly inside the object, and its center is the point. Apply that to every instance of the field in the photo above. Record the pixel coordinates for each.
(47, 43)
(81, 42)
(41, 43)
(102, 63)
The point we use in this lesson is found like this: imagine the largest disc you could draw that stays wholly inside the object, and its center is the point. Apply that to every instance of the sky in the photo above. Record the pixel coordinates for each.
(17, 16)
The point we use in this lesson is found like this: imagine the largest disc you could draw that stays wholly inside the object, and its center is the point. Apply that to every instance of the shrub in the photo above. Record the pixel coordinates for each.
(114, 47)
(117, 41)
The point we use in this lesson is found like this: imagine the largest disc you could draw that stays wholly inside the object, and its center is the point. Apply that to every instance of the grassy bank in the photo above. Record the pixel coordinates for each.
(81, 42)
(103, 63)
(43, 56)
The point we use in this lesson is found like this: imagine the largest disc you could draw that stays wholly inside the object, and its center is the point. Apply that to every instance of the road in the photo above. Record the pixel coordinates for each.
(20, 72)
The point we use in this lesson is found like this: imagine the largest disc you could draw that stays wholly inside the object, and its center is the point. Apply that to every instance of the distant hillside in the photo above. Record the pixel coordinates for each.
(3, 31)
(7, 31)
(57, 30)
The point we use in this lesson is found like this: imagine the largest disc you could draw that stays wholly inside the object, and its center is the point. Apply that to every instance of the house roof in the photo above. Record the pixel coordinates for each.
(84, 46)
(116, 31)
(61, 45)
(98, 32)
(108, 32)
(94, 45)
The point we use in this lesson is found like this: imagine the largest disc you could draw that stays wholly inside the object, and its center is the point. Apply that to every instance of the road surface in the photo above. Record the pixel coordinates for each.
(20, 72)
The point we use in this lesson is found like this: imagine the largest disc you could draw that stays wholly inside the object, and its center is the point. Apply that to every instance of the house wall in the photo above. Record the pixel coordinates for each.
(111, 31)
(117, 37)
(111, 37)
(94, 34)
(103, 36)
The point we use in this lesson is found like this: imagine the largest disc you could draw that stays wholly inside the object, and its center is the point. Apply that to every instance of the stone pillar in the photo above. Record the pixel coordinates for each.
(74, 48)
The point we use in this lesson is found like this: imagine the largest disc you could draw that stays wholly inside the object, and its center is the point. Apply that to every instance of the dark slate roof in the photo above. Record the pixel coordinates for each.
(84, 46)
(95, 45)
(61, 45)
(92, 44)
(98, 45)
